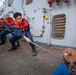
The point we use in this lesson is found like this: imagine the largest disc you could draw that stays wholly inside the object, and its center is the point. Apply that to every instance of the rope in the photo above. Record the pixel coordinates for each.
(45, 50)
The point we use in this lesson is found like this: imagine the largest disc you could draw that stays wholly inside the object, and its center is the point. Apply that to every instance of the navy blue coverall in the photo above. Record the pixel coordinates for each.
(18, 35)
(2, 40)
(6, 31)
(62, 70)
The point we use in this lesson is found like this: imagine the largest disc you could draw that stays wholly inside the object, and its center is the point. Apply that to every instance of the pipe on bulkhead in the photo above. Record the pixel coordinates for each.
(23, 8)
(49, 26)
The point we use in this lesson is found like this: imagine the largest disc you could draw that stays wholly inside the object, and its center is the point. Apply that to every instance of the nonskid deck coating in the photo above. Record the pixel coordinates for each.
(21, 61)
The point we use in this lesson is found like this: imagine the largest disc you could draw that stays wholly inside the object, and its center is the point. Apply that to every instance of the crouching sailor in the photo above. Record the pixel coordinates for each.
(22, 30)
(2, 40)
(7, 23)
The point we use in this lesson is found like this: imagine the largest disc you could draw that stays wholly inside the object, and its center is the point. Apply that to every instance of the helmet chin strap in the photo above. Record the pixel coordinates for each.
(72, 67)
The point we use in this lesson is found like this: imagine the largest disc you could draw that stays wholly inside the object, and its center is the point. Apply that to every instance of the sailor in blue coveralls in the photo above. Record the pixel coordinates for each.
(62, 70)
(21, 30)
(1, 29)
(7, 23)
(65, 68)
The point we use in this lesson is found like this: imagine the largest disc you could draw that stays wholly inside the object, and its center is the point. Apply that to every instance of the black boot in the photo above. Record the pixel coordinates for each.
(2, 43)
(12, 48)
(34, 53)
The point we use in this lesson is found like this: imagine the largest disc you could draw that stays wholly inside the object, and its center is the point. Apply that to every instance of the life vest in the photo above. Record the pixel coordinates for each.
(22, 26)
(1, 26)
(57, 2)
(9, 23)
(49, 2)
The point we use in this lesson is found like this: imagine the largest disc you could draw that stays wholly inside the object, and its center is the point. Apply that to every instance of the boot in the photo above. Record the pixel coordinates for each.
(2, 43)
(12, 48)
(34, 53)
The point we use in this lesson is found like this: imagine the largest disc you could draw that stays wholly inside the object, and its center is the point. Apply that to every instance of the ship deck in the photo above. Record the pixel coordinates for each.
(21, 61)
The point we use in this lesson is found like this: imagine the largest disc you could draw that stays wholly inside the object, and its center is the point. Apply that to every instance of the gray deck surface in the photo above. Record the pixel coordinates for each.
(21, 61)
